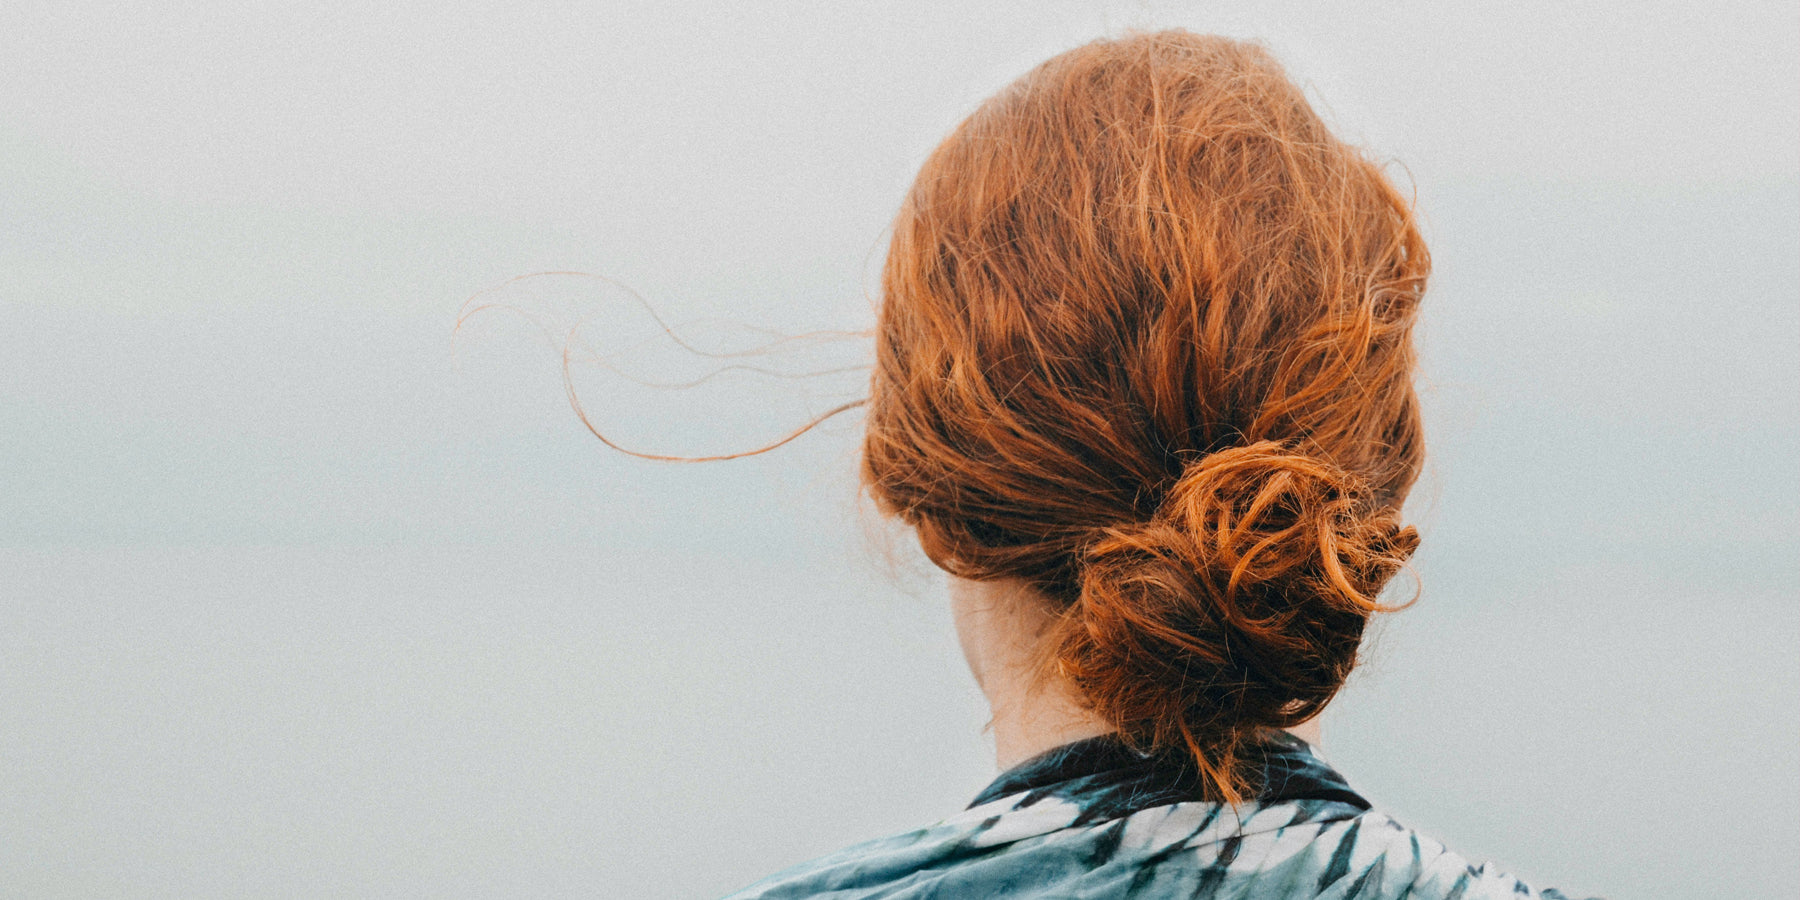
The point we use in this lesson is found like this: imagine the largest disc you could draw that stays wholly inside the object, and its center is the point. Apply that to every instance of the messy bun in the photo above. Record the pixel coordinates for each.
(1237, 608)
(1145, 346)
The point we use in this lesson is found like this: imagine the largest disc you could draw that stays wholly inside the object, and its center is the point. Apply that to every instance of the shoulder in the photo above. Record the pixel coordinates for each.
(1373, 856)
(1202, 850)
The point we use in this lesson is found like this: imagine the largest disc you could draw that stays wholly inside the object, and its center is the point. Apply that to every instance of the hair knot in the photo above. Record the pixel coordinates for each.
(1238, 607)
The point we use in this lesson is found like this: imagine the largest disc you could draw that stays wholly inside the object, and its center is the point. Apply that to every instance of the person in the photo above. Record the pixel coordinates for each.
(1143, 388)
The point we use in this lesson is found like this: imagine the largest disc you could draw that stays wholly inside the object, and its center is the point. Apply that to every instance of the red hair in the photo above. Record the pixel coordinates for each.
(1145, 345)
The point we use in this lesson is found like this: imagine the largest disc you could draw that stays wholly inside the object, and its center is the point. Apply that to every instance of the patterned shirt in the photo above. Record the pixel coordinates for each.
(1096, 819)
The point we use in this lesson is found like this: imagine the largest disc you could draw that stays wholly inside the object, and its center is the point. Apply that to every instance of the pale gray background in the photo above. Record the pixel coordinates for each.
(303, 600)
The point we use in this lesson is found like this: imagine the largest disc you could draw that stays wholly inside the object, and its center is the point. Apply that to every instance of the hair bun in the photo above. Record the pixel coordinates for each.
(1238, 607)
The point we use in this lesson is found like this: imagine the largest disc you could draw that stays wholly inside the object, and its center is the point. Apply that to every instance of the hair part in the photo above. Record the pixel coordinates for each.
(1145, 345)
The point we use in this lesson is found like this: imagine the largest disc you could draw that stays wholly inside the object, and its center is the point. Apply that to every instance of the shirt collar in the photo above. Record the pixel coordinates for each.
(1107, 778)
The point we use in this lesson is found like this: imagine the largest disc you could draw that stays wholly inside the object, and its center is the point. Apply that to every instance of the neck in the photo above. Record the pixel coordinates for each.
(1001, 625)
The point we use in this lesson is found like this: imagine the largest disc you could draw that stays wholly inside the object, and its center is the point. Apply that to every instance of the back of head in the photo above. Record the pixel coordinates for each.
(1145, 345)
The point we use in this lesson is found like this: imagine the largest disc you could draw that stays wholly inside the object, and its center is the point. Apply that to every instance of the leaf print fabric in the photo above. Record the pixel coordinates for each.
(1095, 819)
